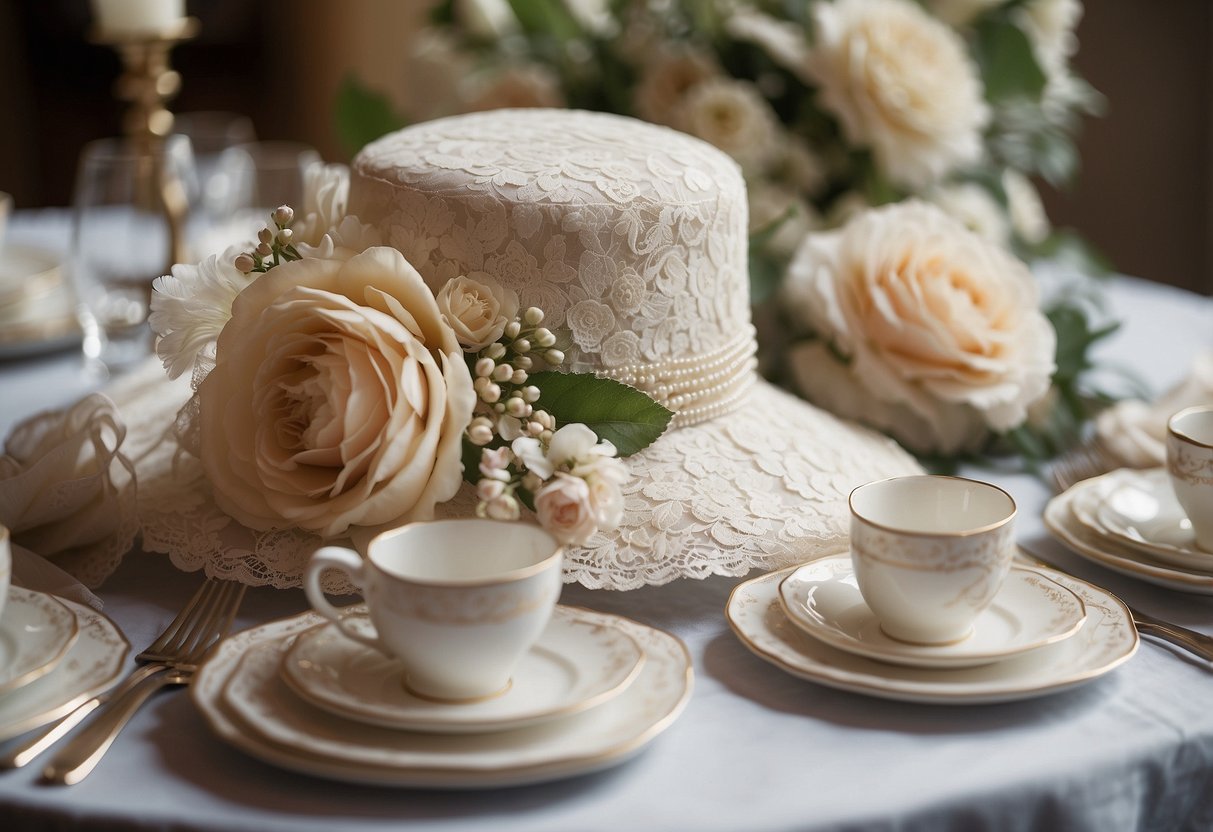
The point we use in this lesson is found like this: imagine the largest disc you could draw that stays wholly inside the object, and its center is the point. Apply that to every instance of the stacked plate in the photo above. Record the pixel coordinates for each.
(595, 689)
(1044, 632)
(54, 654)
(1130, 522)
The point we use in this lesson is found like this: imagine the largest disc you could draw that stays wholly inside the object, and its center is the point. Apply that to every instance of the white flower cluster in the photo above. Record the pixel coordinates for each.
(572, 477)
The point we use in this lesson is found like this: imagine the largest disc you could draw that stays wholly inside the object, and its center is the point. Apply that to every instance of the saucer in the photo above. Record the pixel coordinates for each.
(1106, 640)
(1030, 610)
(92, 665)
(1140, 509)
(576, 664)
(36, 632)
(37, 305)
(244, 699)
(1060, 518)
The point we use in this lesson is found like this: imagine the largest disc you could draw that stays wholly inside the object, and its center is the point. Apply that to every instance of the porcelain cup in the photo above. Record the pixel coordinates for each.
(930, 553)
(458, 602)
(1190, 464)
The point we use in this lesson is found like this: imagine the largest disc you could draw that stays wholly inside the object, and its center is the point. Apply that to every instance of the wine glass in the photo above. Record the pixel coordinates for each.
(211, 133)
(121, 240)
(265, 175)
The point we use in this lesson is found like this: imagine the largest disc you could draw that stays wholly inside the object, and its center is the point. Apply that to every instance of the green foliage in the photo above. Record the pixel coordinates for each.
(546, 17)
(1008, 66)
(623, 415)
(1068, 248)
(766, 270)
(362, 115)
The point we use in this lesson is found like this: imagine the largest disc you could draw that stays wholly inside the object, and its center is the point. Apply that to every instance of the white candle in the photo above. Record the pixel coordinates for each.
(128, 16)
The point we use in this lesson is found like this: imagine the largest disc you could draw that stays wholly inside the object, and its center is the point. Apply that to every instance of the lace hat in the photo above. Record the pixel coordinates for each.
(632, 238)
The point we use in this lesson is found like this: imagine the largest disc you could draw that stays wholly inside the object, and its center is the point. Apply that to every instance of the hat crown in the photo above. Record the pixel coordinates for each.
(630, 236)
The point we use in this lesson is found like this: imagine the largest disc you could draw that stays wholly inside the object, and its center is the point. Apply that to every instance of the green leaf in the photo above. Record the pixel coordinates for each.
(623, 415)
(1008, 65)
(1075, 337)
(546, 17)
(363, 115)
(766, 270)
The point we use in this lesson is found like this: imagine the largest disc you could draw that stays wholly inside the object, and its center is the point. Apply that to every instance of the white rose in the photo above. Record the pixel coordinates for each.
(975, 208)
(564, 508)
(828, 383)
(326, 197)
(783, 41)
(1050, 25)
(339, 397)
(900, 82)
(518, 87)
(1028, 217)
(930, 315)
(668, 76)
(733, 116)
(477, 308)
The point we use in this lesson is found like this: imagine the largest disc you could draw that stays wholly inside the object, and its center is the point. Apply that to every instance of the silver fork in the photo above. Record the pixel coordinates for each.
(1090, 459)
(172, 660)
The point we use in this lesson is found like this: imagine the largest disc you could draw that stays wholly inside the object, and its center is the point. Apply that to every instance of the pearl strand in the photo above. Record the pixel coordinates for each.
(698, 387)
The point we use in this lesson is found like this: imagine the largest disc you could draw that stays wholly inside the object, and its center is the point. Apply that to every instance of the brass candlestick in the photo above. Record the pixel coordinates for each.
(147, 83)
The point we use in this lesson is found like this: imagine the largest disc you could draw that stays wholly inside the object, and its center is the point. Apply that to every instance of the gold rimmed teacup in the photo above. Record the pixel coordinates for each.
(930, 553)
(1190, 464)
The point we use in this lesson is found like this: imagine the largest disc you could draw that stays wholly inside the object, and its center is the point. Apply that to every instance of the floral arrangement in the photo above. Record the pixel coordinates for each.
(833, 108)
(333, 391)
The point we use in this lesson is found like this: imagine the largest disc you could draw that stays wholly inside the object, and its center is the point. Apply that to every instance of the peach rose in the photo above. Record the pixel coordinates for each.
(339, 397)
(477, 308)
(930, 316)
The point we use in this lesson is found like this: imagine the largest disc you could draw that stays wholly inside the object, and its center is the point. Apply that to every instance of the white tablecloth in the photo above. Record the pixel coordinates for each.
(756, 749)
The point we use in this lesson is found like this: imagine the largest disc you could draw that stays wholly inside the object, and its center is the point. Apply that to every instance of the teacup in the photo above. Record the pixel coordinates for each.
(6, 566)
(458, 602)
(1190, 464)
(930, 553)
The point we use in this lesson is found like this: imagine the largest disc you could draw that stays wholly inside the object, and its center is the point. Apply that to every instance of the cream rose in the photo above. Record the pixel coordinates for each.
(900, 82)
(930, 316)
(564, 508)
(975, 208)
(339, 397)
(669, 74)
(733, 116)
(477, 309)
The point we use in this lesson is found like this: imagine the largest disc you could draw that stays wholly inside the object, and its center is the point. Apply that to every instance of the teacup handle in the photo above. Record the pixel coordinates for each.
(351, 563)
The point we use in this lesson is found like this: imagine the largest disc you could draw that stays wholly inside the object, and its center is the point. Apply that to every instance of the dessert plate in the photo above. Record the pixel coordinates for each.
(37, 305)
(576, 664)
(92, 665)
(1030, 610)
(1060, 518)
(1140, 510)
(244, 699)
(36, 632)
(1106, 640)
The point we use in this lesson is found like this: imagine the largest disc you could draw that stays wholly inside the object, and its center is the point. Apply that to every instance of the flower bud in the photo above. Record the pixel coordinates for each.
(484, 368)
(532, 482)
(504, 507)
(283, 215)
(285, 235)
(523, 362)
(503, 372)
(544, 337)
(480, 434)
(534, 429)
(264, 250)
(245, 263)
(265, 235)
(515, 407)
(491, 393)
(495, 351)
(519, 377)
(533, 316)
(522, 345)
(512, 329)
(530, 394)
(554, 357)
(499, 407)
(488, 490)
